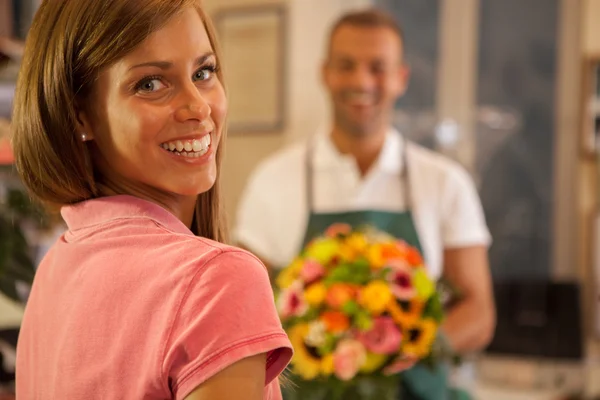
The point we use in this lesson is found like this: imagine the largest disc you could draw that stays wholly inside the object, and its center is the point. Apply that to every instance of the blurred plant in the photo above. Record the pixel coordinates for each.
(17, 211)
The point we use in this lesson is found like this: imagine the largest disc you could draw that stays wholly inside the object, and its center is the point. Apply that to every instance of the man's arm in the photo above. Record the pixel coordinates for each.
(470, 323)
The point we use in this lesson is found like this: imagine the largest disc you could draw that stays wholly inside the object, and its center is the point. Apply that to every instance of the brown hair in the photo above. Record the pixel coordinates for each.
(367, 18)
(69, 43)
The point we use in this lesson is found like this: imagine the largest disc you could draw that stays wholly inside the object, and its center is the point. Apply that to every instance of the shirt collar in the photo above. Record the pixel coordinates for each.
(327, 156)
(106, 209)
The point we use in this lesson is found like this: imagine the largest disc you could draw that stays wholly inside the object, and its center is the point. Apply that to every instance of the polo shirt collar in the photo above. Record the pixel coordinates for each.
(89, 213)
(326, 156)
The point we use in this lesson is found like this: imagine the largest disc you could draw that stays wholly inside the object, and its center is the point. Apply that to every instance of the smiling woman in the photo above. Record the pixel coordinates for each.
(119, 121)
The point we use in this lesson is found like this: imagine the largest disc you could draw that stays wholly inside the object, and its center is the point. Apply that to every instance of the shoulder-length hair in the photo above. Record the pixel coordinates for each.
(69, 43)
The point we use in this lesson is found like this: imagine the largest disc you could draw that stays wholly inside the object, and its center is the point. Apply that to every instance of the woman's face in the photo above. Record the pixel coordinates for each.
(156, 116)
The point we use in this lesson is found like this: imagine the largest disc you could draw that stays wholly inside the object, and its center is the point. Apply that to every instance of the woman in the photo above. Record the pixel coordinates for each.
(119, 118)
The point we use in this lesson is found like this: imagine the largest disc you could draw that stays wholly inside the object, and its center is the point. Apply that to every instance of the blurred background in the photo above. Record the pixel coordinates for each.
(509, 88)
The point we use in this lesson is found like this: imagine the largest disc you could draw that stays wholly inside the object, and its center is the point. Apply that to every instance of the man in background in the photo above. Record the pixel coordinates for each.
(360, 170)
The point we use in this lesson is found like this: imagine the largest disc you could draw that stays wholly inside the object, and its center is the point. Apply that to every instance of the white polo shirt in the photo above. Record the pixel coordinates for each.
(273, 213)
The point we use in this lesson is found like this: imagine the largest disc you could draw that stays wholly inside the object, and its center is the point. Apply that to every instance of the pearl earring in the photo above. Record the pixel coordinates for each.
(84, 137)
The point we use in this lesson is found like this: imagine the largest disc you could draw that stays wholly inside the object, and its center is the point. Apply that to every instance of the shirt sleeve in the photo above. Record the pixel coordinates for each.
(256, 216)
(463, 220)
(227, 314)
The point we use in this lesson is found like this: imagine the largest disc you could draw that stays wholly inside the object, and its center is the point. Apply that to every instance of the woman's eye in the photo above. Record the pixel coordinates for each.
(150, 85)
(204, 74)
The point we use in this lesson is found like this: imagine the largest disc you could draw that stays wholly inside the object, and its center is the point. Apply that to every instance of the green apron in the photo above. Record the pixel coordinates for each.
(420, 382)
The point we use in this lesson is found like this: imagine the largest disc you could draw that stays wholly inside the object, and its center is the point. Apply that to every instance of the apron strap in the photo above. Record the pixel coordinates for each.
(309, 181)
(404, 176)
(309, 175)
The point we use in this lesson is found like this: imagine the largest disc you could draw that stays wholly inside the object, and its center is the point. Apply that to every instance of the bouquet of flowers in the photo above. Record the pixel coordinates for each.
(357, 304)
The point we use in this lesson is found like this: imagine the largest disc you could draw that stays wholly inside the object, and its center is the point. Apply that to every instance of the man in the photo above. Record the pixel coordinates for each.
(361, 170)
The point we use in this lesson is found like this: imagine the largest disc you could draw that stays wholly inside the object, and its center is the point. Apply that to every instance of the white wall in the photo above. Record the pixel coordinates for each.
(591, 26)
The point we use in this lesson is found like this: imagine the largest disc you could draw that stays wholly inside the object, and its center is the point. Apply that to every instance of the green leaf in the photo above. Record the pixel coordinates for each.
(434, 309)
(16, 255)
(329, 345)
(311, 314)
(424, 286)
(362, 263)
(342, 273)
(350, 308)
(363, 320)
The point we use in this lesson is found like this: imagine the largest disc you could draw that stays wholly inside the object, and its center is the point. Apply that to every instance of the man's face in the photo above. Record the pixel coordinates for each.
(365, 75)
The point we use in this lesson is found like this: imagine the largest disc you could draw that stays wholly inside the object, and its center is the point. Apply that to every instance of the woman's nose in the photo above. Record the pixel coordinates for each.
(194, 106)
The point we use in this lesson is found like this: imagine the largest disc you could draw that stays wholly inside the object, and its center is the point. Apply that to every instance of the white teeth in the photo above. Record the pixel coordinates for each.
(189, 148)
(362, 99)
(205, 141)
(197, 146)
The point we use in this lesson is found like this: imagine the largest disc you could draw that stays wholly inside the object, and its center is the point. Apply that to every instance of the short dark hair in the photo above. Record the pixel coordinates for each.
(367, 18)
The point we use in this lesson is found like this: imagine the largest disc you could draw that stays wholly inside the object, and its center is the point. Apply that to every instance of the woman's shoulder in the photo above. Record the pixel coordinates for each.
(206, 256)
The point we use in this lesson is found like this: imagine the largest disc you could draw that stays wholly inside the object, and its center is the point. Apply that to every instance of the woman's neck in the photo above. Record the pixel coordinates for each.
(182, 207)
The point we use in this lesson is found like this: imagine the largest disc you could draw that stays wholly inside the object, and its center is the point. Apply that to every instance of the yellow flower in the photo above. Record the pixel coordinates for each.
(323, 250)
(315, 294)
(375, 297)
(357, 242)
(373, 362)
(408, 314)
(346, 253)
(327, 365)
(290, 274)
(375, 256)
(418, 338)
(304, 364)
(354, 246)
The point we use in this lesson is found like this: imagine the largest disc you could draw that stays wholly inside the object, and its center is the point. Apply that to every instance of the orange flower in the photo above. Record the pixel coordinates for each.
(392, 251)
(335, 321)
(338, 294)
(413, 257)
(407, 315)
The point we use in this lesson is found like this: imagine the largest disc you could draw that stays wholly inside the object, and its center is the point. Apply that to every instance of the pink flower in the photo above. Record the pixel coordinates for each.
(399, 364)
(291, 302)
(400, 278)
(311, 271)
(348, 357)
(398, 264)
(338, 229)
(383, 338)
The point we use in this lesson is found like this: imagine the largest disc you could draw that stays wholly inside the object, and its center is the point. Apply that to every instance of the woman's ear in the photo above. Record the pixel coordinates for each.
(83, 124)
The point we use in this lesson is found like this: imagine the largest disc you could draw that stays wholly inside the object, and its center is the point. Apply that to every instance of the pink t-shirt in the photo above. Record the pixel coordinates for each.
(129, 304)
